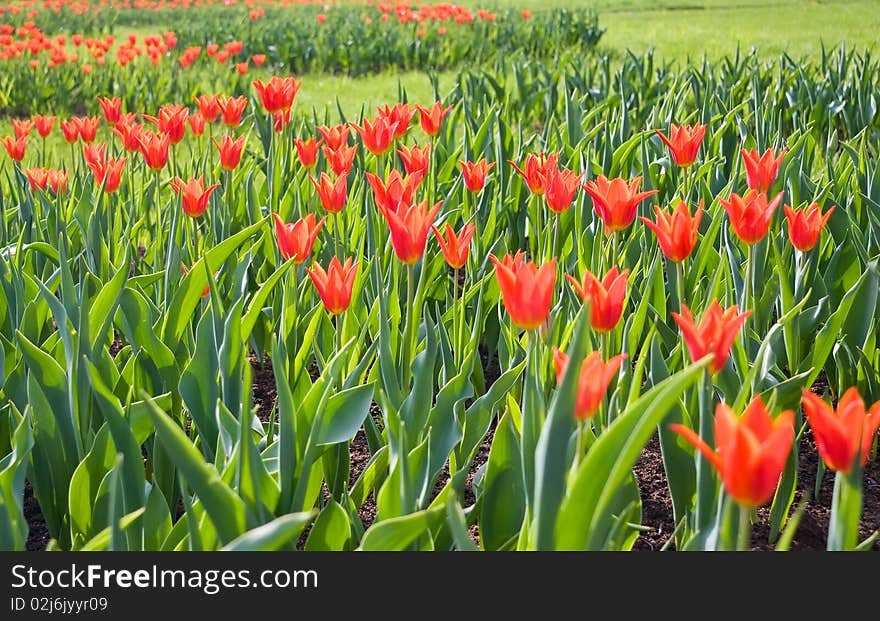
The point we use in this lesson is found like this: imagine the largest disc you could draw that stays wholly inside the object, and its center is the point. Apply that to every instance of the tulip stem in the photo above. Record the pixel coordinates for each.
(555, 250)
(614, 261)
(579, 445)
(539, 227)
(336, 236)
(705, 484)
(455, 318)
(846, 509)
(744, 532)
(410, 322)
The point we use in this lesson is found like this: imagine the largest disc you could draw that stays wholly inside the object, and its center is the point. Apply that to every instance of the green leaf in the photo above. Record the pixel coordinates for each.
(396, 534)
(332, 529)
(275, 535)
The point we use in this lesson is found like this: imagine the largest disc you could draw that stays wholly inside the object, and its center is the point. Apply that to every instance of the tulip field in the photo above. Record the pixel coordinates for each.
(572, 300)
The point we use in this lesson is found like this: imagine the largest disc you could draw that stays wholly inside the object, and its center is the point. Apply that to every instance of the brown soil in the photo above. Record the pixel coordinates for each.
(38, 534)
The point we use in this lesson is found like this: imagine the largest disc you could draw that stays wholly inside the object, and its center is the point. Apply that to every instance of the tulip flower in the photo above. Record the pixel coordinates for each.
(334, 285)
(844, 435)
(474, 174)
(194, 195)
(526, 289)
(87, 127)
(209, 107)
(432, 118)
(171, 121)
(258, 59)
(94, 153)
(536, 170)
(37, 177)
(761, 170)
(334, 137)
(751, 451)
(606, 297)
(57, 180)
(400, 116)
(616, 201)
(70, 130)
(108, 173)
(409, 226)
(750, 215)
(112, 109)
(341, 159)
(593, 381)
(278, 93)
(230, 151)
(805, 225)
(196, 123)
(455, 248)
(307, 151)
(232, 109)
(295, 240)
(129, 134)
(44, 124)
(714, 335)
(333, 194)
(683, 142)
(415, 159)
(396, 191)
(15, 147)
(376, 135)
(677, 231)
(281, 119)
(560, 189)
(154, 148)
(21, 128)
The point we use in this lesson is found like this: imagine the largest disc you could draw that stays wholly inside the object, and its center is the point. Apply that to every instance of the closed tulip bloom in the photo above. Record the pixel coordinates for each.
(57, 181)
(94, 153)
(396, 191)
(593, 381)
(536, 170)
(22, 127)
(474, 174)
(676, 232)
(409, 226)
(129, 134)
(751, 451)
(154, 148)
(805, 225)
(400, 116)
(606, 297)
(334, 137)
(526, 289)
(209, 107)
(761, 169)
(295, 240)
(683, 142)
(432, 118)
(70, 130)
(415, 159)
(376, 135)
(335, 284)
(112, 109)
(232, 109)
(750, 215)
(455, 247)
(230, 151)
(278, 93)
(307, 151)
(87, 127)
(340, 160)
(196, 123)
(714, 335)
(333, 194)
(171, 121)
(560, 190)
(616, 201)
(15, 147)
(44, 124)
(108, 173)
(846, 434)
(193, 194)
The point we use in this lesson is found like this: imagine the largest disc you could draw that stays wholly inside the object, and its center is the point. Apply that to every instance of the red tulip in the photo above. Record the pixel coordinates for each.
(209, 107)
(334, 285)
(805, 225)
(409, 226)
(258, 59)
(37, 177)
(593, 380)
(455, 248)
(341, 159)
(112, 109)
(415, 159)
(526, 289)
(683, 142)
(474, 174)
(196, 123)
(761, 170)
(394, 192)
(171, 121)
(278, 93)
(846, 434)
(333, 194)
(676, 232)
(536, 170)
(432, 118)
(232, 108)
(334, 137)
(307, 151)
(44, 124)
(22, 127)
(616, 201)
(376, 135)
(57, 180)
(194, 195)
(750, 215)
(751, 451)
(715, 334)
(94, 153)
(281, 120)
(15, 147)
(154, 148)
(107, 173)
(606, 297)
(560, 189)
(129, 134)
(295, 240)
(230, 151)
(87, 127)
(400, 116)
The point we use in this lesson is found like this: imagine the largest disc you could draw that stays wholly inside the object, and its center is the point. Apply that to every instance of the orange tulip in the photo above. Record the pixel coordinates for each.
(751, 451)
(676, 232)
(474, 174)
(715, 334)
(432, 118)
(108, 173)
(57, 180)
(278, 93)
(196, 123)
(129, 134)
(593, 380)
(616, 201)
(400, 116)
(527, 290)
(44, 124)
(307, 151)
(560, 189)
(209, 107)
(154, 148)
(295, 240)
(70, 130)
(335, 284)
(341, 159)
(683, 142)
(94, 153)
(376, 135)
(21, 128)
(845, 434)
(230, 151)
(37, 177)
(805, 225)
(282, 120)
(232, 109)
(112, 109)
(455, 248)
(333, 194)
(761, 170)
(606, 297)
(15, 147)
(171, 121)
(396, 191)
(415, 159)
(750, 215)
(536, 170)
(409, 225)
(194, 195)
(334, 137)
(87, 127)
